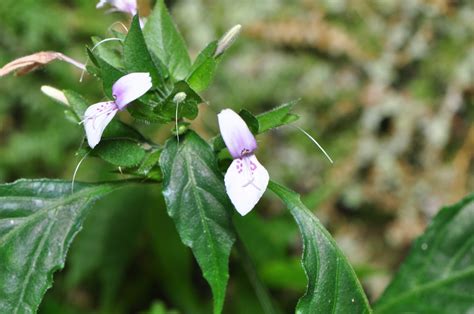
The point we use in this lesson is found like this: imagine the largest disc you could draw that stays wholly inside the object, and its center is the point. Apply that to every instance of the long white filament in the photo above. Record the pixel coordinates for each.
(76, 170)
(93, 48)
(315, 142)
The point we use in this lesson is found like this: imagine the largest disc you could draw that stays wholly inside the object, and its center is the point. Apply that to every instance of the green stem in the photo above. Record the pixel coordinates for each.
(261, 291)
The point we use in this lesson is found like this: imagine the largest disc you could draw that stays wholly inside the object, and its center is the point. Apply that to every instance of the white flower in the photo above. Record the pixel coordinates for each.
(246, 179)
(128, 88)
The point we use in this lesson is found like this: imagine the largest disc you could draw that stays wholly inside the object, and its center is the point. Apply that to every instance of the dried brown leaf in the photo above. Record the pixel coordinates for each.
(31, 62)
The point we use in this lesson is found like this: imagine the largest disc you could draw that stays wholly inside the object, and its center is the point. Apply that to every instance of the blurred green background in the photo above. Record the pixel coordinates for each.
(386, 86)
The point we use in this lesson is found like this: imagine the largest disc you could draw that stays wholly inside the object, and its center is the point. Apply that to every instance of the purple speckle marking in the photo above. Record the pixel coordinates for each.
(239, 166)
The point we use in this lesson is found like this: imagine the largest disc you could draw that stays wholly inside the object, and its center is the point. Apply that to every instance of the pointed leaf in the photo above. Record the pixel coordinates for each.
(276, 117)
(136, 55)
(438, 274)
(38, 221)
(203, 69)
(196, 200)
(332, 283)
(165, 42)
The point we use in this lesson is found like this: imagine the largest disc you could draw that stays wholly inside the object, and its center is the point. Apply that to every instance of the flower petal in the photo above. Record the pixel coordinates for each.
(245, 181)
(96, 118)
(127, 6)
(236, 134)
(130, 87)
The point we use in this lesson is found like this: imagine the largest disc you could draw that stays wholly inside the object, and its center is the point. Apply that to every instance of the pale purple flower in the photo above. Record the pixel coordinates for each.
(126, 6)
(128, 88)
(246, 179)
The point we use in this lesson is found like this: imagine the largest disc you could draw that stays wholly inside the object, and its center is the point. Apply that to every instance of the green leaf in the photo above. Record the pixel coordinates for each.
(121, 152)
(165, 42)
(108, 73)
(250, 120)
(195, 196)
(150, 165)
(136, 55)
(38, 221)
(438, 274)
(276, 117)
(203, 69)
(332, 283)
(77, 102)
(109, 51)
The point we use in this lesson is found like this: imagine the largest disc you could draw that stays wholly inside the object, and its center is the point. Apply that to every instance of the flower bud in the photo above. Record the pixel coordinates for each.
(179, 97)
(55, 94)
(227, 40)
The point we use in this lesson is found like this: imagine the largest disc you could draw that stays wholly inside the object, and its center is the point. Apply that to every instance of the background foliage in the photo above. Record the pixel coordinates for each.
(386, 86)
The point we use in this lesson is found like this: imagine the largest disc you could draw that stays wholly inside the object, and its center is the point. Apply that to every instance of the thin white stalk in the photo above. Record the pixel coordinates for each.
(76, 170)
(315, 142)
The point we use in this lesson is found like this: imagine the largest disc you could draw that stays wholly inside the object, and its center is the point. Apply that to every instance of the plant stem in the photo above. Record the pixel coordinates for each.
(261, 291)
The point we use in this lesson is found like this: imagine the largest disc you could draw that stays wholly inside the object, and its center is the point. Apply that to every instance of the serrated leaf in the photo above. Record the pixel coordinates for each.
(38, 221)
(164, 40)
(136, 56)
(438, 274)
(203, 69)
(332, 283)
(196, 200)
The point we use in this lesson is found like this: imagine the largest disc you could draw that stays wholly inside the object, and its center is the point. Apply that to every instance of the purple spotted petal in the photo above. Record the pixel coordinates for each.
(235, 133)
(130, 87)
(96, 119)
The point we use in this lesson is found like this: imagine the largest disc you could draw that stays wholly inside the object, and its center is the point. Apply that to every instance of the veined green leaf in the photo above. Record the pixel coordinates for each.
(136, 55)
(38, 221)
(196, 200)
(438, 274)
(332, 283)
(165, 42)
